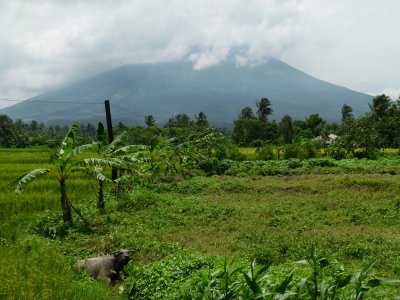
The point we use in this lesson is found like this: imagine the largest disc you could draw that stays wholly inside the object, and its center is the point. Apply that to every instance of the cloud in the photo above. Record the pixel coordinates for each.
(394, 94)
(50, 43)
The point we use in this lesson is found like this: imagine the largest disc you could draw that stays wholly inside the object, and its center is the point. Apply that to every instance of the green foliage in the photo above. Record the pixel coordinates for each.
(163, 280)
(264, 109)
(189, 276)
(293, 151)
(349, 206)
(265, 153)
(137, 199)
(33, 268)
(50, 226)
(336, 151)
(64, 163)
(249, 130)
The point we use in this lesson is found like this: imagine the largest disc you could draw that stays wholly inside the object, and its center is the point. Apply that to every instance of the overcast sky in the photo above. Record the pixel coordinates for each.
(47, 44)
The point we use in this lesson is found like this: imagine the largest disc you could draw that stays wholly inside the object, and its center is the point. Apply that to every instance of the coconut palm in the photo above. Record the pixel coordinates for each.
(347, 111)
(379, 106)
(264, 109)
(149, 120)
(64, 163)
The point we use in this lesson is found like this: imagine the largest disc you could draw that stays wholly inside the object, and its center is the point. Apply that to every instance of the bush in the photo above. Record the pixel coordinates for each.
(229, 151)
(163, 279)
(50, 226)
(215, 166)
(292, 151)
(322, 162)
(337, 152)
(309, 150)
(370, 154)
(257, 143)
(138, 199)
(265, 153)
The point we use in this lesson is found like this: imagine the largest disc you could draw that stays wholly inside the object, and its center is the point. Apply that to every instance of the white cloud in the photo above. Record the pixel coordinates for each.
(394, 94)
(48, 43)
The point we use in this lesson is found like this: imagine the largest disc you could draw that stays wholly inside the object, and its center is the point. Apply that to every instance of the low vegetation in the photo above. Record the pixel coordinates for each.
(303, 215)
(198, 237)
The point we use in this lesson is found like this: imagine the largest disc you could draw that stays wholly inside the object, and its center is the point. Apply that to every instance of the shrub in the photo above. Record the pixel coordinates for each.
(265, 153)
(162, 279)
(294, 163)
(138, 199)
(292, 151)
(257, 143)
(215, 166)
(309, 150)
(321, 162)
(336, 151)
(50, 226)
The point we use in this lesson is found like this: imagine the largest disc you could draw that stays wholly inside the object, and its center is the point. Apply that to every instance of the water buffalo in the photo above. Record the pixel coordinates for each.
(107, 267)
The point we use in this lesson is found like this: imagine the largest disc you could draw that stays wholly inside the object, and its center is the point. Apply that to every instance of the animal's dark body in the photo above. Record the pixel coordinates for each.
(106, 267)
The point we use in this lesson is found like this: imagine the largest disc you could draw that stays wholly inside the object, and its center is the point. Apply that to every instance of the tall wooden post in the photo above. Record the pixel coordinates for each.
(114, 173)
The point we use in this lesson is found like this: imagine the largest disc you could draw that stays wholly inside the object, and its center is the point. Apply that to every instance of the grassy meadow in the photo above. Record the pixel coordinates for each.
(351, 217)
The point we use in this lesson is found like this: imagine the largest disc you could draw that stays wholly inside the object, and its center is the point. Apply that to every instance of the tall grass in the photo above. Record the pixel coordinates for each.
(34, 269)
(30, 267)
(42, 194)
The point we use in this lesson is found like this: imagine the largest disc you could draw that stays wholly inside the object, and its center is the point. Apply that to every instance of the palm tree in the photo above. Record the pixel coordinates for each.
(64, 164)
(346, 112)
(264, 109)
(380, 105)
(201, 120)
(246, 113)
(149, 120)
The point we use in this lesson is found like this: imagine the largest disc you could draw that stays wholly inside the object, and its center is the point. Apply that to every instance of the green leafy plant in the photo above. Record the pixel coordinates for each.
(64, 165)
(265, 153)
(363, 284)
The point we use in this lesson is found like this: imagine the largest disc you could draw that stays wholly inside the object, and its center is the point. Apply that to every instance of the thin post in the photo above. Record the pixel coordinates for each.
(114, 174)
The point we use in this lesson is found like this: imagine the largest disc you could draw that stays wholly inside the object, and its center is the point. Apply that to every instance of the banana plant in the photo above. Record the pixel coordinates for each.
(64, 163)
(112, 155)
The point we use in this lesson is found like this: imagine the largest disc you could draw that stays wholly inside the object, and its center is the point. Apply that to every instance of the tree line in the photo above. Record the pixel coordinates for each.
(360, 136)
(376, 129)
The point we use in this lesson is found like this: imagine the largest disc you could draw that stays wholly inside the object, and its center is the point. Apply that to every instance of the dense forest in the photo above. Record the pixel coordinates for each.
(354, 136)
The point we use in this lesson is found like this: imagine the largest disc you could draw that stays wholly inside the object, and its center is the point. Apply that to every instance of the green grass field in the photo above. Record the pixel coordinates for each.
(351, 218)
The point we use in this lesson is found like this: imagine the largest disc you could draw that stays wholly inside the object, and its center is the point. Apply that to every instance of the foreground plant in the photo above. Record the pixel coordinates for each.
(188, 277)
(63, 165)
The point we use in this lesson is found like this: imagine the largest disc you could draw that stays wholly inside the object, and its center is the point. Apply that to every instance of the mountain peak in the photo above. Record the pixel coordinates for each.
(220, 91)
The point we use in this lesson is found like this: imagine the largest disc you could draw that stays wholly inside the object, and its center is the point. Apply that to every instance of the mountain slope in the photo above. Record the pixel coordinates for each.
(164, 89)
